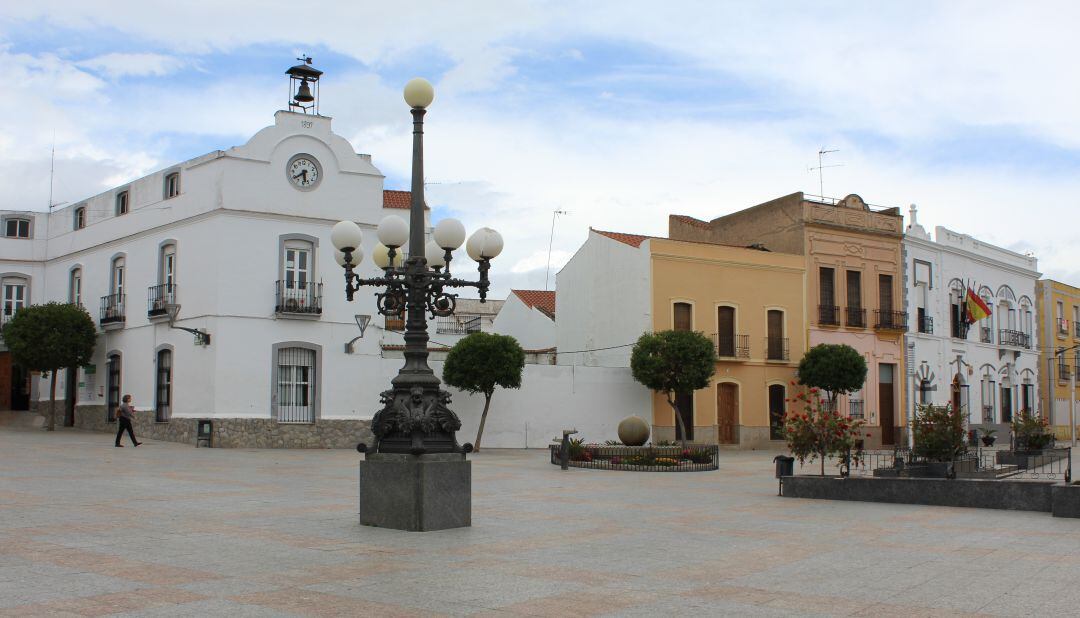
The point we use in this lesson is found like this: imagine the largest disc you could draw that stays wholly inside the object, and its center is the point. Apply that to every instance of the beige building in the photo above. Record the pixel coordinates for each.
(1058, 308)
(852, 255)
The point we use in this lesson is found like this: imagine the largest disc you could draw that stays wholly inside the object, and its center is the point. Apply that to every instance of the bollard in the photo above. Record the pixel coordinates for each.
(564, 452)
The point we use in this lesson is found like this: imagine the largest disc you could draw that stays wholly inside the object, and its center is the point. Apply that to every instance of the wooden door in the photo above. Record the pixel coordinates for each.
(886, 403)
(727, 412)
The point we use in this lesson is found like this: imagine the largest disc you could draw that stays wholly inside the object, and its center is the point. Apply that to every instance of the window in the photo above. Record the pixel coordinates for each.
(924, 273)
(16, 296)
(924, 392)
(75, 287)
(956, 315)
(80, 218)
(854, 289)
(163, 386)
(164, 293)
(17, 228)
(885, 293)
(826, 280)
(725, 331)
(1062, 325)
(168, 265)
(1006, 404)
(121, 203)
(1027, 397)
(988, 389)
(116, 284)
(684, 316)
(172, 185)
(777, 395)
(775, 344)
(297, 267)
(112, 401)
(296, 385)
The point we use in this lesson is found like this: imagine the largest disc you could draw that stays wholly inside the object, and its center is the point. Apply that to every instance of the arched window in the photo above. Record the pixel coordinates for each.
(683, 316)
(121, 203)
(172, 185)
(776, 345)
(163, 386)
(113, 385)
(296, 382)
(79, 218)
(75, 286)
(777, 400)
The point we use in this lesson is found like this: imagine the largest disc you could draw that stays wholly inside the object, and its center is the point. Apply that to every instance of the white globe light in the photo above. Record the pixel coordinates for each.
(346, 235)
(393, 231)
(485, 243)
(449, 234)
(355, 259)
(419, 93)
(436, 256)
(381, 256)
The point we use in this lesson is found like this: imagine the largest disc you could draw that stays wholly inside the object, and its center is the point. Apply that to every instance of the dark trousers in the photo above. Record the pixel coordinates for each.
(125, 424)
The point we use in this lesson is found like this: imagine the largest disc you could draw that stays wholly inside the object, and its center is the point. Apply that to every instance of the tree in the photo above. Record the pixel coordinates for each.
(672, 362)
(48, 338)
(835, 369)
(939, 433)
(482, 361)
(819, 431)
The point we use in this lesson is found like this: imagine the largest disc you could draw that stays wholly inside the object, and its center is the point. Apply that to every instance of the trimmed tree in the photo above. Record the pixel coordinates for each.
(837, 369)
(482, 361)
(48, 338)
(671, 362)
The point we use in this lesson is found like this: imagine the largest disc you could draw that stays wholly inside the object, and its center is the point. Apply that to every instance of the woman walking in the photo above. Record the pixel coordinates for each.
(125, 414)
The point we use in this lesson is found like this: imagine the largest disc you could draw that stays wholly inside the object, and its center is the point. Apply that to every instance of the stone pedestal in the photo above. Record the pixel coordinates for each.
(416, 492)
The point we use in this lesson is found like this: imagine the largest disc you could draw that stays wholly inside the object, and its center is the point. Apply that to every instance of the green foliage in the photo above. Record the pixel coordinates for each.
(482, 361)
(835, 368)
(698, 456)
(815, 431)
(665, 443)
(1031, 432)
(939, 433)
(673, 361)
(579, 450)
(50, 336)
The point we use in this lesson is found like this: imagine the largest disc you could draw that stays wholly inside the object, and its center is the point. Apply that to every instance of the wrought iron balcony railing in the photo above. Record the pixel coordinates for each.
(159, 297)
(776, 349)
(458, 324)
(1064, 372)
(730, 345)
(890, 320)
(298, 297)
(829, 315)
(1014, 338)
(856, 317)
(926, 325)
(856, 408)
(112, 309)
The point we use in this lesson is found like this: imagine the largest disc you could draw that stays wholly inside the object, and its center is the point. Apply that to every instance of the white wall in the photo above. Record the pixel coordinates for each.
(532, 329)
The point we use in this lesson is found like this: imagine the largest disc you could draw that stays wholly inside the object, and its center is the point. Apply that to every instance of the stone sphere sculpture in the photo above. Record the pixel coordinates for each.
(633, 431)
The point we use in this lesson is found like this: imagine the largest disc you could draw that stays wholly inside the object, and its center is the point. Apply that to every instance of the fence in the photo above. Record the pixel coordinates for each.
(1047, 464)
(695, 458)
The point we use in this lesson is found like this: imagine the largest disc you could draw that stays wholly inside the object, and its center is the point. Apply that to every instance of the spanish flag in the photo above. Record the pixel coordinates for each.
(977, 308)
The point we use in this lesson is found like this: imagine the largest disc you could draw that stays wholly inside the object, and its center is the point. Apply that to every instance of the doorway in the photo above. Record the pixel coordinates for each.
(71, 386)
(887, 403)
(727, 412)
(20, 387)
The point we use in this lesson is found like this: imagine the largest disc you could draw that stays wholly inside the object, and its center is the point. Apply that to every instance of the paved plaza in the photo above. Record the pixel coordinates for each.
(171, 530)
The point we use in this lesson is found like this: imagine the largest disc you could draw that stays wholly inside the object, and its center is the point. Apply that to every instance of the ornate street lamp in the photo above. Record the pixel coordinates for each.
(415, 418)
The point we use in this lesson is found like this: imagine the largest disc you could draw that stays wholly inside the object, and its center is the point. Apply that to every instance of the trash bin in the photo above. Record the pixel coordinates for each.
(785, 466)
(204, 434)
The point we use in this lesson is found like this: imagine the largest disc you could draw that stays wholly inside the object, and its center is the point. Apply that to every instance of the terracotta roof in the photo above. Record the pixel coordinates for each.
(634, 240)
(398, 199)
(542, 300)
(690, 221)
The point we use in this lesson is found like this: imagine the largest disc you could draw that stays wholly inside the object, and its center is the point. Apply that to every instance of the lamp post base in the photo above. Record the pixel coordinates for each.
(416, 493)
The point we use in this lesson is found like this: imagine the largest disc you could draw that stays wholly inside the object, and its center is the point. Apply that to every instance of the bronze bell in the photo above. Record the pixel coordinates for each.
(303, 94)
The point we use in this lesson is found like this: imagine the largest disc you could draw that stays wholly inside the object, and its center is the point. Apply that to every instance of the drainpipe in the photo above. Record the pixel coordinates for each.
(910, 377)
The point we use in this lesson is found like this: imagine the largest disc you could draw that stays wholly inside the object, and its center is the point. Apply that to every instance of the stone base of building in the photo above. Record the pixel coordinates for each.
(225, 432)
(746, 437)
(416, 492)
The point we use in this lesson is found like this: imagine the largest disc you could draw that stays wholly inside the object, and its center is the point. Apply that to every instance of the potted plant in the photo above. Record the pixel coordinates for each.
(988, 437)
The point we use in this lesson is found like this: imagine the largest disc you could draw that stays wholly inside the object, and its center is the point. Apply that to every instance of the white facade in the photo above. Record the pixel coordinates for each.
(533, 328)
(995, 367)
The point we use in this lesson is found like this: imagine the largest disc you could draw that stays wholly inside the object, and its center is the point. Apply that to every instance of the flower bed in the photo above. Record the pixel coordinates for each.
(694, 458)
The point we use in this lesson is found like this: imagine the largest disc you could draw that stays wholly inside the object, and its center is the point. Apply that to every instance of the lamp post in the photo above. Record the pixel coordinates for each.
(415, 425)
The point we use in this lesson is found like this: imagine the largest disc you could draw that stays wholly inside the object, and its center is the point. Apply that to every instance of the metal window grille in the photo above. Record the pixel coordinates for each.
(112, 401)
(296, 385)
(856, 408)
(163, 389)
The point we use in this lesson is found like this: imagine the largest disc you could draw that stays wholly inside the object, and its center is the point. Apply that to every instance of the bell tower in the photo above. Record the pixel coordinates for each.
(301, 79)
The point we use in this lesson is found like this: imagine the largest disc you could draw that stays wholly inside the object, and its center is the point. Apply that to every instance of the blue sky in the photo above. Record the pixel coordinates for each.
(618, 112)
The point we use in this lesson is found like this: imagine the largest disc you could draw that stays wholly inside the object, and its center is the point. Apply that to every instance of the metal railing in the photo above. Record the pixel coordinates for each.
(856, 408)
(890, 320)
(298, 297)
(776, 349)
(1076, 329)
(694, 458)
(458, 324)
(1064, 372)
(112, 309)
(988, 414)
(829, 315)
(986, 335)
(730, 345)
(159, 297)
(979, 463)
(856, 317)
(926, 325)
(1014, 338)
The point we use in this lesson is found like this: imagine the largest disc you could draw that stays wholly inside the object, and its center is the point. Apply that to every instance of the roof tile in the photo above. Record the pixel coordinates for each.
(542, 300)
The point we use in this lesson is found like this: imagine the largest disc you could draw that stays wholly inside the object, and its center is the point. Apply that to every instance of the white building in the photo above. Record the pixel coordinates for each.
(991, 370)
(529, 316)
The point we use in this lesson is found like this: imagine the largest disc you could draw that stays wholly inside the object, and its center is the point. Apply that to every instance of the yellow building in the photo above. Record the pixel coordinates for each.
(1058, 307)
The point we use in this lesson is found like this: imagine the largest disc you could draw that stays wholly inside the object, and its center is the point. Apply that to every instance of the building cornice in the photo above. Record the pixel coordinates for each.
(975, 257)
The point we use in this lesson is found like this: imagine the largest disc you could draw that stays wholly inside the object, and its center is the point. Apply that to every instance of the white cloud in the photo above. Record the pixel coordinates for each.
(138, 65)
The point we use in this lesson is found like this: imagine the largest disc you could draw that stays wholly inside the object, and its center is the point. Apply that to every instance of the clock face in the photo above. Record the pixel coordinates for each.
(303, 172)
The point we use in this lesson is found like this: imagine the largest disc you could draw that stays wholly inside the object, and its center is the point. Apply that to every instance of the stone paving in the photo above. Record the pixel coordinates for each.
(170, 530)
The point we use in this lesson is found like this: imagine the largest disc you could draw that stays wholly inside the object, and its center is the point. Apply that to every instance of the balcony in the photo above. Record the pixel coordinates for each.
(1064, 373)
(298, 298)
(829, 315)
(856, 317)
(926, 325)
(856, 408)
(776, 349)
(1076, 330)
(158, 299)
(730, 345)
(112, 310)
(890, 320)
(986, 335)
(458, 324)
(1014, 338)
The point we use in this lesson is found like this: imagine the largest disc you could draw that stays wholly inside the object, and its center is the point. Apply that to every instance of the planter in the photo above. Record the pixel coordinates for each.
(988, 440)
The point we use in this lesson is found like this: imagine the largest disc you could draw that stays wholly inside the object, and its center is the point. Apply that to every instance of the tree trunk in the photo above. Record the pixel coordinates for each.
(678, 419)
(483, 419)
(52, 402)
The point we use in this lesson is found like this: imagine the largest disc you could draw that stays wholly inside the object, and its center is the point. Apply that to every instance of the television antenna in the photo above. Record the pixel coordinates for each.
(554, 214)
(821, 165)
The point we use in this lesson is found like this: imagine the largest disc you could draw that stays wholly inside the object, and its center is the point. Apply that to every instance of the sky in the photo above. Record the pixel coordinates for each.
(618, 113)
